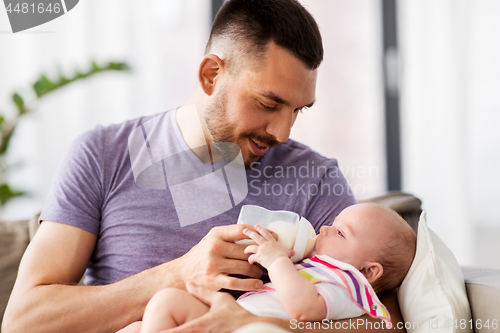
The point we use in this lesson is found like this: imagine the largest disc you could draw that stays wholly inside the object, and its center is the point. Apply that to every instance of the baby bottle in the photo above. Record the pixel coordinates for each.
(293, 232)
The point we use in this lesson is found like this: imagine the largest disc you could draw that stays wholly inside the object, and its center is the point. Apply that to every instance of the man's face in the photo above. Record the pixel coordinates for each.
(256, 109)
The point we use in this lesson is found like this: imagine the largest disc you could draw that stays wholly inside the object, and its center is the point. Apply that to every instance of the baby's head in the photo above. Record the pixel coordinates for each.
(372, 238)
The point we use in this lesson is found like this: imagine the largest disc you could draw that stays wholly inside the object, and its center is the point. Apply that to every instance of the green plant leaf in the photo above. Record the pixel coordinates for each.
(7, 193)
(95, 67)
(6, 135)
(19, 102)
(118, 66)
(44, 85)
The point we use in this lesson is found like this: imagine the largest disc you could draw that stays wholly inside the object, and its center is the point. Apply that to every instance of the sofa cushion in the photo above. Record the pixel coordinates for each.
(483, 290)
(13, 242)
(33, 225)
(432, 295)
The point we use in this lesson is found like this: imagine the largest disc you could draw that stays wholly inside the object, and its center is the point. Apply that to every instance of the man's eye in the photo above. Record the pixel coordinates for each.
(270, 108)
(298, 110)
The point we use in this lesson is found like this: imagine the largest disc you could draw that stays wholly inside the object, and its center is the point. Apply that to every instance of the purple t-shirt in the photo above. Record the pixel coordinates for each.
(138, 228)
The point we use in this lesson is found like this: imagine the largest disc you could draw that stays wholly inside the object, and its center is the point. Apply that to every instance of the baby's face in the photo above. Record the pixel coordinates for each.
(354, 237)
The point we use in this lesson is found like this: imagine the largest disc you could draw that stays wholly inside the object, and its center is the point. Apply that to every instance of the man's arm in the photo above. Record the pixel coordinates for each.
(45, 295)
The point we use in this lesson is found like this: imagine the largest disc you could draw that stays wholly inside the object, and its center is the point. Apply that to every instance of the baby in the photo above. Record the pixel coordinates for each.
(366, 251)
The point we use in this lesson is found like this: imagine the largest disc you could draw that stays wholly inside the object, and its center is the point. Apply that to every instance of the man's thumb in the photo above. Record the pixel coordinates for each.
(203, 294)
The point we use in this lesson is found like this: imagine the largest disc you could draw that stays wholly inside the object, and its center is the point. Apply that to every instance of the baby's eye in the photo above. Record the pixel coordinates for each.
(340, 234)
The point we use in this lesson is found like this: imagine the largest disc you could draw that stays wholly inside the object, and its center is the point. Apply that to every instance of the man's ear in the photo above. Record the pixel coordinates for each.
(210, 69)
(372, 271)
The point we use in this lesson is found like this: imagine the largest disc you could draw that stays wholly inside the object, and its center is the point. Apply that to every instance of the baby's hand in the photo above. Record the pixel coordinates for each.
(267, 250)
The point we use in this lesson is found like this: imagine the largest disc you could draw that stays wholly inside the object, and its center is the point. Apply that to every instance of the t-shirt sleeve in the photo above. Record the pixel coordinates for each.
(339, 304)
(75, 197)
(330, 195)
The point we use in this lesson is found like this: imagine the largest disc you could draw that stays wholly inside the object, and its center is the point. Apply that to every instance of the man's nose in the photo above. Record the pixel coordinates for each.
(280, 125)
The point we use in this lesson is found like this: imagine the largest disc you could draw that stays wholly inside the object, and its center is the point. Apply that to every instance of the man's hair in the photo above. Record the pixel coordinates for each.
(247, 26)
(396, 256)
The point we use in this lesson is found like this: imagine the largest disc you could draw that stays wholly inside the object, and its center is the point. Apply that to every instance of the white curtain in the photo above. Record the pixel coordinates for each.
(450, 117)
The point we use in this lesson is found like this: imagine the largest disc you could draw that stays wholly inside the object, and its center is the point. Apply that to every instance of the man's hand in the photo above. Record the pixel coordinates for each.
(210, 262)
(267, 249)
(225, 314)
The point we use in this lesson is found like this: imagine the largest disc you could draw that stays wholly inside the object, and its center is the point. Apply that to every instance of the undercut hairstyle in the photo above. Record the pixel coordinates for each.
(245, 27)
(396, 256)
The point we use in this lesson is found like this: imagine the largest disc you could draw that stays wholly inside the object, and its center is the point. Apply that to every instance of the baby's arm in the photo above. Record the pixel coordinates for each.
(298, 295)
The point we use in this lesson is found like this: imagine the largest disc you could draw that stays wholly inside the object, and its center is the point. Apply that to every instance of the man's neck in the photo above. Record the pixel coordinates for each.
(191, 127)
(190, 120)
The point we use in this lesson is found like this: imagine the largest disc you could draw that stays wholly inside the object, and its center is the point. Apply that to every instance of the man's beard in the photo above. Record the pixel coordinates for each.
(223, 136)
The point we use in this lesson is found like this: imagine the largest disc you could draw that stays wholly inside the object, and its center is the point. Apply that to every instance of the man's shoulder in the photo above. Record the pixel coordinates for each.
(115, 134)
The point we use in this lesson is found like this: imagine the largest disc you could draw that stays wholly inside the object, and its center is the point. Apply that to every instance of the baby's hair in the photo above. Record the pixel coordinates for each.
(396, 255)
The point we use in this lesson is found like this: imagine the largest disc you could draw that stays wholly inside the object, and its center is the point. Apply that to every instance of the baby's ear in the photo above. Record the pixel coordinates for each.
(372, 271)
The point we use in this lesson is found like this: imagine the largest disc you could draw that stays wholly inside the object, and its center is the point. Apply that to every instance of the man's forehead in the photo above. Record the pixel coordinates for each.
(280, 77)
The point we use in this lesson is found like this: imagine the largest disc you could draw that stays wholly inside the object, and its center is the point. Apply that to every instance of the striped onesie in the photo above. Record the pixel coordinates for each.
(346, 292)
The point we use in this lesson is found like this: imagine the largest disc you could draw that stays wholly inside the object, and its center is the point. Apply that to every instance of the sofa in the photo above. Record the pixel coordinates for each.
(482, 285)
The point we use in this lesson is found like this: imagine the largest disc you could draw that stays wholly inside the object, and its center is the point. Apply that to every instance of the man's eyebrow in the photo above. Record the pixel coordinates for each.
(280, 100)
(274, 97)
